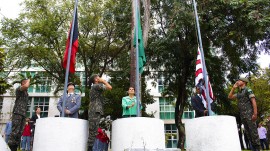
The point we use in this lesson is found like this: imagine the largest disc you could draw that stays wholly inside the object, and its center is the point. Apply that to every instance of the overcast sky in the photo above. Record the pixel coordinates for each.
(11, 9)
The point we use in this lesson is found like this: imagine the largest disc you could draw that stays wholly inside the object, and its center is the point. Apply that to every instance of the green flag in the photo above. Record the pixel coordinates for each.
(142, 59)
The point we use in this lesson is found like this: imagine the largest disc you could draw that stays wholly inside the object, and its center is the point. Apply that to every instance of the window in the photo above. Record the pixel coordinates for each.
(83, 79)
(46, 82)
(31, 87)
(42, 102)
(171, 135)
(80, 75)
(188, 115)
(160, 85)
(166, 108)
(44, 86)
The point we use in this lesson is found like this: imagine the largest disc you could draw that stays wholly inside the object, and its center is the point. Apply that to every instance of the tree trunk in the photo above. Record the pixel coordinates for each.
(146, 21)
(179, 108)
(182, 98)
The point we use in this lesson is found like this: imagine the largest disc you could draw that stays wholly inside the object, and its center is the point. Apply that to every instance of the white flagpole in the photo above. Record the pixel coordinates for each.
(205, 74)
(68, 61)
(137, 82)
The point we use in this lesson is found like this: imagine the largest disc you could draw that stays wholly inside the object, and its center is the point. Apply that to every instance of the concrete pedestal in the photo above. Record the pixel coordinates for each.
(3, 145)
(212, 133)
(138, 132)
(60, 134)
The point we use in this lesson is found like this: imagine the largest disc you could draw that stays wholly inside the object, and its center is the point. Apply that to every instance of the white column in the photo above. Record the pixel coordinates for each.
(138, 133)
(212, 133)
(61, 134)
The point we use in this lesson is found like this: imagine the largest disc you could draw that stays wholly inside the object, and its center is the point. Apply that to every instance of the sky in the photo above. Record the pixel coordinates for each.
(11, 9)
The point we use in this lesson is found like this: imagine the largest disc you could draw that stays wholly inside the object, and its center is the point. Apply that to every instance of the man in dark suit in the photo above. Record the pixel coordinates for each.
(198, 105)
(34, 118)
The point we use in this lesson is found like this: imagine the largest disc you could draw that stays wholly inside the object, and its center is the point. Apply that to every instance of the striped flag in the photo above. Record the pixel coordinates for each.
(199, 79)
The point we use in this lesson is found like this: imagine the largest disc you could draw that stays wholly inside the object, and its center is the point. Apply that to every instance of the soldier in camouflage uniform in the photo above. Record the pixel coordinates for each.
(95, 112)
(248, 110)
(18, 114)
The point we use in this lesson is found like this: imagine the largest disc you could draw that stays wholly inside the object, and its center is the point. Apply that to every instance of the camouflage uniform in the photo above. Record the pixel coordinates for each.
(95, 111)
(246, 112)
(18, 117)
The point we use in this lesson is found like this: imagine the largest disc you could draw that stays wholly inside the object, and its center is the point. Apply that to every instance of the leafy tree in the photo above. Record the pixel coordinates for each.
(34, 79)
(3, 83)
(39, 35)
(261, 88)
(231, 32)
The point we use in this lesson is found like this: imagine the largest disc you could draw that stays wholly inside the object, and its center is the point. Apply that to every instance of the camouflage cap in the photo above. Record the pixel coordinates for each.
(92, 78)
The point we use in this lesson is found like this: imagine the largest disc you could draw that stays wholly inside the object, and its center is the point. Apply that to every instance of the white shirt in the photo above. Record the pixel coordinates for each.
(262, 132)
(69, 94)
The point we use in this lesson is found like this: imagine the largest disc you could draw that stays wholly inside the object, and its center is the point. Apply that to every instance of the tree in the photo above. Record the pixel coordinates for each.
(3, 83)
(39, 34)
(231, 31)
(261, 88)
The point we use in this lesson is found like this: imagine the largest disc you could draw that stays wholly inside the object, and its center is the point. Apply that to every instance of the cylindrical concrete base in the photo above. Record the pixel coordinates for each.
(61, 134)
(136, 133)
(3, 145)
(212, 133)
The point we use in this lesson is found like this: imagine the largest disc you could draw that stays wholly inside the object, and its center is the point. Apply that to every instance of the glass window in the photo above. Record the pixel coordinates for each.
(160, 88)
(46, 82)
(81, 76)
(44, 86)
(188, 115)
(160, 85)
(161, 101)
(171, 135)
(30, 111)
(166, 108)
(42, 102)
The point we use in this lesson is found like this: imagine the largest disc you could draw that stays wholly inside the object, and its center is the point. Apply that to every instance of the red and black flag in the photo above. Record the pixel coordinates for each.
(74, 46)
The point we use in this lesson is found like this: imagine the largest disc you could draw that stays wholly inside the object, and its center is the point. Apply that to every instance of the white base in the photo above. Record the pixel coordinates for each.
(212, 133)
(138, 132)
(60, 134)
(3, 145)
(143, 149)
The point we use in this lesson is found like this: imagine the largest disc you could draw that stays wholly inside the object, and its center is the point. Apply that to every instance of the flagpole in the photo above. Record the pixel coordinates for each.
(68, 61)
(205, 74)
(137, 82)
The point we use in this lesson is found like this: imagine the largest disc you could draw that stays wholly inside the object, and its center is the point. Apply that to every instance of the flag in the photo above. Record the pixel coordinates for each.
(142, 59)
(74, 48)
(199, 80)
